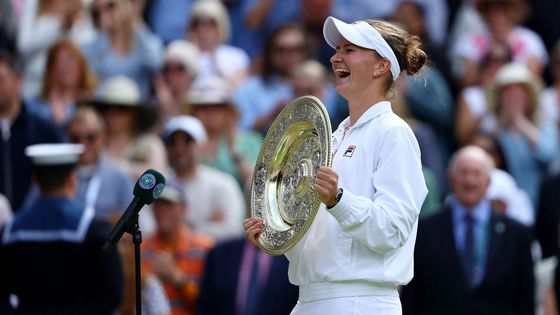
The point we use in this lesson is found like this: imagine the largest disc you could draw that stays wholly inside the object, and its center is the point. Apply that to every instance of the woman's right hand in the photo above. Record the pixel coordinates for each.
(253, 228)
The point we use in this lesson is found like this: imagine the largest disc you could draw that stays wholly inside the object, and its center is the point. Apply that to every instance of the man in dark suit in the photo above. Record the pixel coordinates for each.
(547, 224)
(468, 258)
(226, 287)
(19, 128)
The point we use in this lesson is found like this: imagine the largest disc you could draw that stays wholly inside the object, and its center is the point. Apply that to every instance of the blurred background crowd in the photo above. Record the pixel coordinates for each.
(190, 88)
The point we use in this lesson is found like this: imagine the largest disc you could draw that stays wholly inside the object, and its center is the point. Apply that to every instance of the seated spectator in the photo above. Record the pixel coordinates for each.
(172, 85)
(469, 259)
(228, 148)
(68, 80)
(123, 45)
(229, 276)
(262, 96)
(43, 23)
(209, 28)
(176, 253)
(130, 143)
(216, 201)
(101, 184)
(19, 128)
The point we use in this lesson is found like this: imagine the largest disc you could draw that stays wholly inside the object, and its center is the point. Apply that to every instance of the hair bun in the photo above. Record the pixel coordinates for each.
(415, 57)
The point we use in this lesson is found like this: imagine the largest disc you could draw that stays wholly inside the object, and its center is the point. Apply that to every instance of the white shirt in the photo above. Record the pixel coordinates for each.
(523, 42)
(365, 244)
(37, 33)
(226, 61)
(549, 105)
(475, 97)
(211, 191)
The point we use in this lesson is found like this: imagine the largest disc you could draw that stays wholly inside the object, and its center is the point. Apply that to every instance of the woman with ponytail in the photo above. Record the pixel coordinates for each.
(360, 246)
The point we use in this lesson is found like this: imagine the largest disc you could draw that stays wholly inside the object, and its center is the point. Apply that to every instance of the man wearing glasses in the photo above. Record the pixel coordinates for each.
(97, 176)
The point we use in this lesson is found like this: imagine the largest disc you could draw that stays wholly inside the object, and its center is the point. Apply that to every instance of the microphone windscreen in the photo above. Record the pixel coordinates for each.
(149, 186)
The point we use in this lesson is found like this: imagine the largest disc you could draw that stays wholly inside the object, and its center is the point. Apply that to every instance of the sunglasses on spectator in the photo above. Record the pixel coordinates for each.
(173, 68)
(173, 140)
(203, 21)
(289, 49)
(117, 108)
(96, 11)
(84, 138)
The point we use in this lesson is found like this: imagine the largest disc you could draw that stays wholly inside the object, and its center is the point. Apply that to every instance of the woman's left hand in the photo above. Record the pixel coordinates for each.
(326, 185)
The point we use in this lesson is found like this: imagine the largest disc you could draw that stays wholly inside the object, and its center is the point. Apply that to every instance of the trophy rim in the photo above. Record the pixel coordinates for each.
(270, 143)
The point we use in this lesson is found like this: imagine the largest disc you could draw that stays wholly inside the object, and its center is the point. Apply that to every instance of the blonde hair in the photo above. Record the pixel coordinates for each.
(215, 10)
(311, 69)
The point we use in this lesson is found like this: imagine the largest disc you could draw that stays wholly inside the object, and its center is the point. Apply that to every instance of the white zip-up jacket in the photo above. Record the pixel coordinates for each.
(365, 244)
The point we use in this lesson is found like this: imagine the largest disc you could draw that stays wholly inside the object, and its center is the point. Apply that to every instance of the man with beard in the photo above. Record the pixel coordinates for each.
(215, 199)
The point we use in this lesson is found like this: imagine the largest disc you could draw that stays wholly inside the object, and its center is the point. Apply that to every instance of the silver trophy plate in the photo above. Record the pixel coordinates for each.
(296, 145)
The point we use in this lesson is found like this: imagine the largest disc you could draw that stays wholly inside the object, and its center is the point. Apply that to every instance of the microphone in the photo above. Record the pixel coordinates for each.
(148, 188)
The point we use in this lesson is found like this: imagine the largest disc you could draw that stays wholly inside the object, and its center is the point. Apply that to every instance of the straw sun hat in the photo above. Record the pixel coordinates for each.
(515, 73)
(122, 91)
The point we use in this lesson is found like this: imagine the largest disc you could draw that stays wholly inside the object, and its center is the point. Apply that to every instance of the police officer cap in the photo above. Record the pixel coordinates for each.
(54, 154)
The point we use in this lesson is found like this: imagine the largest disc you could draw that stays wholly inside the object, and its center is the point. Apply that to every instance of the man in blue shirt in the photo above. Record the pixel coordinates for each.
(101, 183)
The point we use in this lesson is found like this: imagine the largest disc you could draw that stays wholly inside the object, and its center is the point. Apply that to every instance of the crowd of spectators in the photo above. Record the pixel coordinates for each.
(190, 88)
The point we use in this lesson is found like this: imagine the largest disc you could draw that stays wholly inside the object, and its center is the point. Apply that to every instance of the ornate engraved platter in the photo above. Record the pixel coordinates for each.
(296, 145)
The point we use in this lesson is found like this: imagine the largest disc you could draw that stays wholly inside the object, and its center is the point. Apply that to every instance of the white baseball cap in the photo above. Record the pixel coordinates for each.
(188, 124)
(361, 34)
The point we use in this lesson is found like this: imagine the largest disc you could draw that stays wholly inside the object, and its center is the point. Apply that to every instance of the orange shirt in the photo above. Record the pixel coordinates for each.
(189, 252)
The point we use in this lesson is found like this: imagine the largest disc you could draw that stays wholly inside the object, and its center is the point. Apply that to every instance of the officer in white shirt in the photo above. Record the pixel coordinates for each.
(360, 246)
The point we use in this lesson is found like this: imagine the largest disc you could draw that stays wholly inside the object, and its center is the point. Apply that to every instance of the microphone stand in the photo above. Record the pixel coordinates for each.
(137, 240)
(130, 226)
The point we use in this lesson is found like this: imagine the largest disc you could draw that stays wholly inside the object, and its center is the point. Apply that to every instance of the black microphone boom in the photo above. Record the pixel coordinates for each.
(125, 222)
(148, 188)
